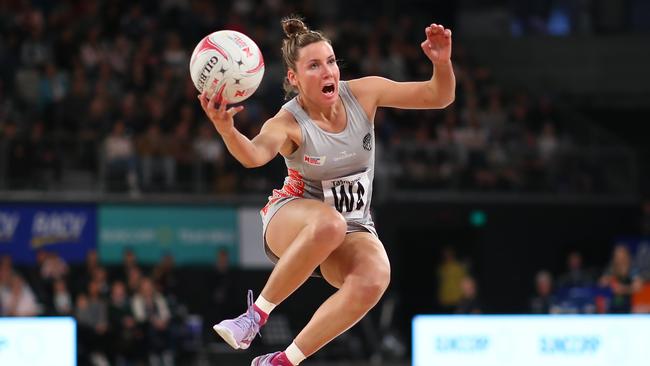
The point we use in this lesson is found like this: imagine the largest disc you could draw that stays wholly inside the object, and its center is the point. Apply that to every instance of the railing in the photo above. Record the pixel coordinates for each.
(400, 167)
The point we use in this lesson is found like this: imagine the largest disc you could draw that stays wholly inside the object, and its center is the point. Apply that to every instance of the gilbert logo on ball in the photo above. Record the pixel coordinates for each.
(227, 63)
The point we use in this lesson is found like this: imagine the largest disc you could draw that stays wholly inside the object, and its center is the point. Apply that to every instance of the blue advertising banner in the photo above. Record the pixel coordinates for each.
(69, 230)
(191, 234)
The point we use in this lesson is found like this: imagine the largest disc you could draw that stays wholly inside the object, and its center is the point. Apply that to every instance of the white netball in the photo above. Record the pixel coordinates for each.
(227, 63)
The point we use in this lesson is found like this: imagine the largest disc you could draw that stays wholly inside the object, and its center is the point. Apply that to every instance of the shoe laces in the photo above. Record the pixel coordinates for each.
(247, 321)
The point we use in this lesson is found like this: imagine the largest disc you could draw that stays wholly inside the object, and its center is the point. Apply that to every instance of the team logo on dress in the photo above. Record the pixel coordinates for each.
(367, 141)
(314, 160)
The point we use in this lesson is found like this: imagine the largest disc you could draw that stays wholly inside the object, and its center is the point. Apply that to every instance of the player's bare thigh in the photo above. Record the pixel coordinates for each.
(360, 253)
(292, 218)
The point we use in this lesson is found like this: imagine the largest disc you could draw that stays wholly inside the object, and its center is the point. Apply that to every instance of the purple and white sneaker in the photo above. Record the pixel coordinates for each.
(264, 360)
(240, 332)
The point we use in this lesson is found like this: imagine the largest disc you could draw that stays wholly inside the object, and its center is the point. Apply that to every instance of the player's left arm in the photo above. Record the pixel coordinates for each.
(438, 92)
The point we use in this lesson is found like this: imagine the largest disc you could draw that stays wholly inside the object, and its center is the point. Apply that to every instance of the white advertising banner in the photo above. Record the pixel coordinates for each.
(517, 340)
(38, 342)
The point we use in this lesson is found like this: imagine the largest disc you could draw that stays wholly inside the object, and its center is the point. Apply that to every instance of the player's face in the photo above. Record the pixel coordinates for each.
(317, 74)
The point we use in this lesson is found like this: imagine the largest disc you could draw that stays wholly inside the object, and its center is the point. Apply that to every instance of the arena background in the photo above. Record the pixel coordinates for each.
(543, 157)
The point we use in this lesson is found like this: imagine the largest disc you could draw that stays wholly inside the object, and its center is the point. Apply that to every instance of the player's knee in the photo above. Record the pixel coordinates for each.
(330, 227)
(369, 289)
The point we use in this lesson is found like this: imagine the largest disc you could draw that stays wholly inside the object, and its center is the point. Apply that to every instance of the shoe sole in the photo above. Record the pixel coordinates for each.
(227, 336)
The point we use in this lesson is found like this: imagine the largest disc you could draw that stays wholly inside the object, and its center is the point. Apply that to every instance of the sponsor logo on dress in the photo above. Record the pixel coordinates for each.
(344, 155)
(314, 160)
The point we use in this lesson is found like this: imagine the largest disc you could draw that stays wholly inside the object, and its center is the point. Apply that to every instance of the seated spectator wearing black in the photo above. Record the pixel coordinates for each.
(100, 277)
(34, 275)
(222, 284)
(576, 275)
(83, 272)
(126, 338)
(92, 326)
(165, 277)
(469, 302)
(152, 315)
(61, 302)
(122, 271)
(543, 302)
(622, 280)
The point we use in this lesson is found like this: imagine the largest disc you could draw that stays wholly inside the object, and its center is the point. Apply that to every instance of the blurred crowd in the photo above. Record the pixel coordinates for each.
(127, 314)
(96, 95)
(566, 17)
(621, 287)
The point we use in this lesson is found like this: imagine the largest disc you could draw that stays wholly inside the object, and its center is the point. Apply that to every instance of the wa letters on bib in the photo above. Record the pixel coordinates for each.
(348, 195)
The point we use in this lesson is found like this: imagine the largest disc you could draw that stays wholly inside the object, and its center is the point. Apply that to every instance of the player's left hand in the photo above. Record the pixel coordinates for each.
(437, 46)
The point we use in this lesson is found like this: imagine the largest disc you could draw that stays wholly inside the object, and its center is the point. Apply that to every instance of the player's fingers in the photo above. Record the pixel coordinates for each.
(234, 110)
(212, 103)
(222, 105)
(203, 101)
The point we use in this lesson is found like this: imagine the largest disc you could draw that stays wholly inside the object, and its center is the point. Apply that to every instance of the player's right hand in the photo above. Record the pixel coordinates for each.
(221, 118)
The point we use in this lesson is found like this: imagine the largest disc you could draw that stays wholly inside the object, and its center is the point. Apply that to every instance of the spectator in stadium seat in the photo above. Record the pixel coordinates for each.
(152, 314)
(61, 302)
(92, 324)
(621, 278)
(543, 302)
(17, 298)
(164, 276)
(125, 337)
(210, 153)
(450, 278)
(576, 275)
(120, 158)
(469, 302)
(156, 162)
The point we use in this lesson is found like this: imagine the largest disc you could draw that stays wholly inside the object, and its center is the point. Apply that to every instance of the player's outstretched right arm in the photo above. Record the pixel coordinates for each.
(250, 153)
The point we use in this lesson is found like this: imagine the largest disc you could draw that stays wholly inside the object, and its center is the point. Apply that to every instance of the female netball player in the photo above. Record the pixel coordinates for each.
(319, 221)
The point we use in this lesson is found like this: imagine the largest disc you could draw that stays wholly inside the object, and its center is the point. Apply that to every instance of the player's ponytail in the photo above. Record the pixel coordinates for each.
(294, 26)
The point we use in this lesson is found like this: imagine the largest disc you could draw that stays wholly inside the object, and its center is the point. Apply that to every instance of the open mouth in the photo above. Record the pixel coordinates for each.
(328, 89)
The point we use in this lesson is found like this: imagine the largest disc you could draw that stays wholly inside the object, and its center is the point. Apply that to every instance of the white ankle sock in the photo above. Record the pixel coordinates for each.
(264, 305)
(294, 354)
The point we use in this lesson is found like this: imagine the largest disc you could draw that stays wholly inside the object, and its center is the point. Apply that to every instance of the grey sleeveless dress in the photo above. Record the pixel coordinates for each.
(337, 168)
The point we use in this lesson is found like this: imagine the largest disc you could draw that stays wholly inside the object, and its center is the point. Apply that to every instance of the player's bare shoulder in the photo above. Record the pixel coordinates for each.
(285, 122)
(366, 91)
